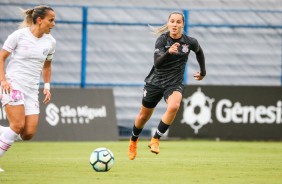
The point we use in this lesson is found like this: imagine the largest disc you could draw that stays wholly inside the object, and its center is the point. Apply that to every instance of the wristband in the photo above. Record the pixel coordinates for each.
(47, 86)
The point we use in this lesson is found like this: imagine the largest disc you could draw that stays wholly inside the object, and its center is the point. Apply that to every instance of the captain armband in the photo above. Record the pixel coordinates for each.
(49, 57)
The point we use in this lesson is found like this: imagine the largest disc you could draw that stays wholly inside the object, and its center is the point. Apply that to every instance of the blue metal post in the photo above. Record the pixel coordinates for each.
(281, 61)
(186, 26)
(84, 47)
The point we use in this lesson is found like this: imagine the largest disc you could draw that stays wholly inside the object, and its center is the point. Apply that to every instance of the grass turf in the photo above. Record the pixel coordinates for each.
(192, 161)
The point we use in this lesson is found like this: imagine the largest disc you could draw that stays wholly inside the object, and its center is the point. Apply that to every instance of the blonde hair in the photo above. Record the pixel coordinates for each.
(164, 28)
(31, 14)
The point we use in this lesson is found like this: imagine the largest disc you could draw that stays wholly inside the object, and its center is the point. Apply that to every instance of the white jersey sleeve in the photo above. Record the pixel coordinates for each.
(11, 42)
(52, 50)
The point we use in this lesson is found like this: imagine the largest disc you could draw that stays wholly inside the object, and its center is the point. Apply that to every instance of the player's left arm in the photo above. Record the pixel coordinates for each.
(46, 75)
(201, 60)
(46, 71)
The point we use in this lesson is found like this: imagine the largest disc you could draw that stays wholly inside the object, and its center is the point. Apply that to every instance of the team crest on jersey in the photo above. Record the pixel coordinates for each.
(185, 48)
(45, 52)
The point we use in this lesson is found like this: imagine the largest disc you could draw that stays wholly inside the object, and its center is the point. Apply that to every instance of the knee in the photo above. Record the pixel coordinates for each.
(27, 137)
(17, 126)
(143, 117)
(173, 108)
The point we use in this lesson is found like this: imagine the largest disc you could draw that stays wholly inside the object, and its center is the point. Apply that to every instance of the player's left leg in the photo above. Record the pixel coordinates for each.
(30, 128)
(15, 115)
(173, 104)
(31, 114)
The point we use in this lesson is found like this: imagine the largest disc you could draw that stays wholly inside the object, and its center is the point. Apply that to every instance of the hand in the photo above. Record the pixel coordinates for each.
(47, 94)
(174, 48)
(198, 76)
(5, 87)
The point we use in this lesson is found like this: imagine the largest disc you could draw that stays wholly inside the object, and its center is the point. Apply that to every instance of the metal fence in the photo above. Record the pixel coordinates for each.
(86, 16)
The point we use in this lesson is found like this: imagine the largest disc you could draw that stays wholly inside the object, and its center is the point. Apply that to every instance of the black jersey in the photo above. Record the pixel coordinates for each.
(169, 68)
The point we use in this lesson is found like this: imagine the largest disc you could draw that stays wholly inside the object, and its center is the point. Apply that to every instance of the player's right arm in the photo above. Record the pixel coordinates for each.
(5, 86)
(9, 46)
(160, 54)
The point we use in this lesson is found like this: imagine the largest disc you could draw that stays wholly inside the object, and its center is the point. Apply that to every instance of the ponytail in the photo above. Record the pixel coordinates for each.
(159, 30)
(27, 22)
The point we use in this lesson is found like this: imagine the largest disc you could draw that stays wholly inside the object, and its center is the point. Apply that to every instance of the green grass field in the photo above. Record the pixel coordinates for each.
(179, 162)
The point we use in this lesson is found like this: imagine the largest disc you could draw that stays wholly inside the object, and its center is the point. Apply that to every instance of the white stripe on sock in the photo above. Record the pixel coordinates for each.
(159, 133)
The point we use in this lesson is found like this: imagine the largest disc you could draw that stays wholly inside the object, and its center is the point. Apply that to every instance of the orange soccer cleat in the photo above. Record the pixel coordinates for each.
(154, 145)
(132, 149)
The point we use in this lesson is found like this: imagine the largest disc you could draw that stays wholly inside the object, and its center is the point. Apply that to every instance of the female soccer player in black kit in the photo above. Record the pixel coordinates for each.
(166, 79)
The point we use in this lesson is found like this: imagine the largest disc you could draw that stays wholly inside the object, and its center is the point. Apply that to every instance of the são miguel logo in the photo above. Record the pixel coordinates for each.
(73, 115)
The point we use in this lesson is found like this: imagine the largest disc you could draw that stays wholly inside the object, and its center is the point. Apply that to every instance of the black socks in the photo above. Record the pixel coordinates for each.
(135, 133)
(162, 128)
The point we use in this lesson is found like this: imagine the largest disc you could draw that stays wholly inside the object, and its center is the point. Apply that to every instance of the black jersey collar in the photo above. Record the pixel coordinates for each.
(179, 40)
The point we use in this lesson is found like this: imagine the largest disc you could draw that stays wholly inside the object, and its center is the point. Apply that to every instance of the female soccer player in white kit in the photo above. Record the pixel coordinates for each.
(32, 48)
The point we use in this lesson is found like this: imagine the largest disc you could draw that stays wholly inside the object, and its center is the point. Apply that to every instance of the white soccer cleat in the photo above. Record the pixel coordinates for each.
(1, 170)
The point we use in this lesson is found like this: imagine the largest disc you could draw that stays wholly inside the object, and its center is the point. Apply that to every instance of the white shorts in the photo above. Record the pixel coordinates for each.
(22, 95)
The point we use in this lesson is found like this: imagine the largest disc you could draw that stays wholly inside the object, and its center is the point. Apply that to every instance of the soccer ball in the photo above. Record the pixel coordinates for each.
(102, 159)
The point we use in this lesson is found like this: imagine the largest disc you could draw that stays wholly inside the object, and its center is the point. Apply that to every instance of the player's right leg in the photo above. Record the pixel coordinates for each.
(3, 129)
(151, 97)
(141, 119)
(132, 149)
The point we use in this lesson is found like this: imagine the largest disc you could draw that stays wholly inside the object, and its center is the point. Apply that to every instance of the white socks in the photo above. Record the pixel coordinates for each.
(3, 129)
(7, 138)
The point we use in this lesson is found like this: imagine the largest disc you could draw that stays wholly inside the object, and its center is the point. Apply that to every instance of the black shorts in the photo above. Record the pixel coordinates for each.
(153, 94)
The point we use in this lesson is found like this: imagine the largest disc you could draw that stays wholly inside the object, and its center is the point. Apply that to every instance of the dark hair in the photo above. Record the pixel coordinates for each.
(30, 15)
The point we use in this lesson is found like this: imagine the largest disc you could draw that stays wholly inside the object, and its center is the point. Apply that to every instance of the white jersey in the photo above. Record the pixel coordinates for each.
(28, 56)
